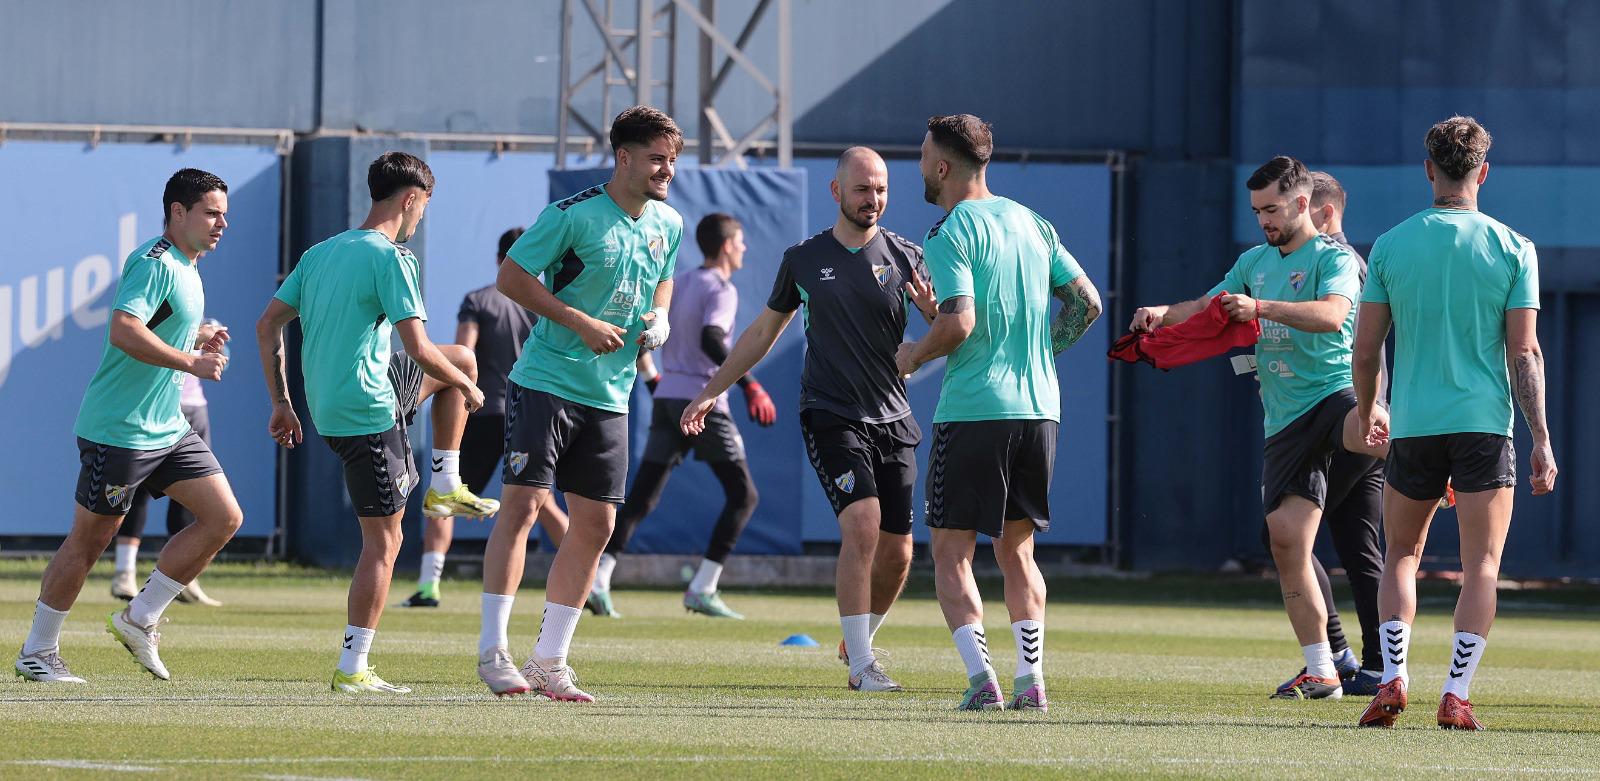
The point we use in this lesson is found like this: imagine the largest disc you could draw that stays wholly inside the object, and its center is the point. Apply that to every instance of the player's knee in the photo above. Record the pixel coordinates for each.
(743, 497)
(461, 358)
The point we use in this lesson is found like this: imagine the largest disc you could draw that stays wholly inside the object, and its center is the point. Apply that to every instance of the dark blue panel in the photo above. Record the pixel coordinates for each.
(55, 300)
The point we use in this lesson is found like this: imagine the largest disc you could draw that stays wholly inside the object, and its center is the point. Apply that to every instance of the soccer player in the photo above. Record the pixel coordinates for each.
(607, 255)
(1301, 285)
(856, 282)
(124, 579)
(351, 292)
(704, 302)
(1462, 293)
(493, 328)
(996, 265)
(131, 433)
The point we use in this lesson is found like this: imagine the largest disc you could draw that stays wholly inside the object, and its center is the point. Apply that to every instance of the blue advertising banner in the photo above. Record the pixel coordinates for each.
(74, 213)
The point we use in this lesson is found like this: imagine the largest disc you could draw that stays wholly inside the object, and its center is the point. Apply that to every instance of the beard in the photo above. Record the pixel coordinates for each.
(930, 190)
(651, 192)
(1277, 239)
(857, 220)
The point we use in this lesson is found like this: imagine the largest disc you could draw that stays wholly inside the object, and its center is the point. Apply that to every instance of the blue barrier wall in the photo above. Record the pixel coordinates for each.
(74, 213)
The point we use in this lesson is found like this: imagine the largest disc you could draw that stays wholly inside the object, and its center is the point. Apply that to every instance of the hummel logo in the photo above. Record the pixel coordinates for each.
(347, 639)
(1468, 645)
(1400, 660)
(1460, 665)
(438, 464)
(827, 274)
(1030, 659)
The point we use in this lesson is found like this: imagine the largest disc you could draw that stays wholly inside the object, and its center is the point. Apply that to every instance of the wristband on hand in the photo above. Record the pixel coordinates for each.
(656, 334)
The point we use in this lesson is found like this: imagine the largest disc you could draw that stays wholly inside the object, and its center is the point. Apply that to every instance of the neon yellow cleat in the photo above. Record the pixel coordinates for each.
(458, 503)
(366, 681)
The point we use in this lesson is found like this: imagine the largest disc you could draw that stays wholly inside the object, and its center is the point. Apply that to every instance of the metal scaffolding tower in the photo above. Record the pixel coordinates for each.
(630, 60)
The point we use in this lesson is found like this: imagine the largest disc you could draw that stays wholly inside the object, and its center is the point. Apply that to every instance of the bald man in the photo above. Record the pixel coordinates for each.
(857, 282)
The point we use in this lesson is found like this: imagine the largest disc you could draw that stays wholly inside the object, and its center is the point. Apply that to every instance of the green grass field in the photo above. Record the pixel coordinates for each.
(1162, 678)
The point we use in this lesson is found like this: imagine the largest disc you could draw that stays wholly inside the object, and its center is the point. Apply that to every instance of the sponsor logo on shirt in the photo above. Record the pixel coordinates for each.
(517, 461)
(827, 274)
(846, 482)
(1296, 279)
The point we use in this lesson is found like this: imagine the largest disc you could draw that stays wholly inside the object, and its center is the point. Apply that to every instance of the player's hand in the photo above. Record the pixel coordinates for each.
(209, 365)
(921, 292)
(472, 397)
(1542, 462)
(285, 426)
(656, 329)
(213, 337)
(600, 336)
(903, 361)
(694, 416)
(1375, 429)
(759, 404)
(1147, 319)
(1240, 307)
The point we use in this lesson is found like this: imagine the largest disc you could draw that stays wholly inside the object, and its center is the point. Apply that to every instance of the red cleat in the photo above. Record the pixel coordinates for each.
(1386, 705)
(1456, 713)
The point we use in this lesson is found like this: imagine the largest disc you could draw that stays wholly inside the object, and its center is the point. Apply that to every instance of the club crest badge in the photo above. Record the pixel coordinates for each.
(115, 494)
(403, 483)
(1296, 279)
(517, 461)
(881, 273)
(846, 482)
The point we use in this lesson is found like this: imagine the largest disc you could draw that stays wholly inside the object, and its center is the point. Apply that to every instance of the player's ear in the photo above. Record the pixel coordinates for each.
(1427, 167)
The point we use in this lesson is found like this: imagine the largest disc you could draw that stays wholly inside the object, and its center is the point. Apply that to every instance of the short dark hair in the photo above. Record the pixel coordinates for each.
(643, 125)
(1325, 190)
(1288, 173)
(969, 137)
(715, 229)
(187, 187)
(1457, 146)
(507, 239)
(395, 171)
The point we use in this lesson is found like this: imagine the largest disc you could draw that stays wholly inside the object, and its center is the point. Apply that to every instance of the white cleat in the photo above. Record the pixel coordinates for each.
(874, 679)
(558, 682)
(124, 585)
(45, 667)
(192, 594)
(140, 641)
(500, 674)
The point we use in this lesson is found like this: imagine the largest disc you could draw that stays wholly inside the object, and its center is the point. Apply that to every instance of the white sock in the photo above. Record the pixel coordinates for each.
(45, 635)
(446, 471)
(1029, 635)
(158, 592)
(127, 554)
(496, 616)
(857, 642)
(555, 633)
(1319, 660)
(705, 578)
(974, 649)
(1466, 650)
(432, 569)
(1396, 637)
(874, 620)
(357, 642)
(602, 573)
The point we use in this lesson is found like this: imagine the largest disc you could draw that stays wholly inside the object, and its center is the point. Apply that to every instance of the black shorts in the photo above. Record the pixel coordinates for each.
(482, 443)
(1296, 460)
(856, 460)
(983, 473)
(719, 442)
(380, 471)
(574, 448)
(1419, 466)
(110, 476)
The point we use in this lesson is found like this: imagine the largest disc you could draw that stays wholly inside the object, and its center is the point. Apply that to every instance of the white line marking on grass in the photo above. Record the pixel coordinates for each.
(84, 764)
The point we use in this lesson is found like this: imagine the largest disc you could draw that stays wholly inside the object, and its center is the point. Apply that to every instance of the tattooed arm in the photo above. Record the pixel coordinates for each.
(1526, 363)
(1080, 307)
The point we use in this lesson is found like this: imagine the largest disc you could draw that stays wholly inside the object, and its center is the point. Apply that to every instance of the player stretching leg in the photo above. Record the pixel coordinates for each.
(995, 265)
(1462, 292)
(493, 328)
(607, 255)
(132, 433)
(350, 292)
(704, 302)
(856, 282)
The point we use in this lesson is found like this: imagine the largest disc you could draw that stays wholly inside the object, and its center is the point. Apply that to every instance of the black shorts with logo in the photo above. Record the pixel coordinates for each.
(719, 442)
(1419, 466)
(857, 460)
(1297, 460)
(110, 476)
(379, 470)
(983, 473)
(574, 448)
